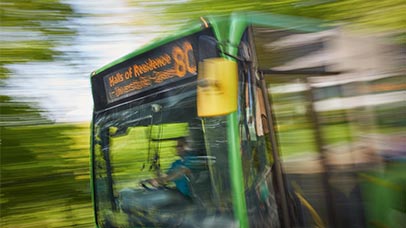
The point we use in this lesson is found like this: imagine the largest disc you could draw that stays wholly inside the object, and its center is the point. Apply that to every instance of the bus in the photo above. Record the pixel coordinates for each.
(206, 85)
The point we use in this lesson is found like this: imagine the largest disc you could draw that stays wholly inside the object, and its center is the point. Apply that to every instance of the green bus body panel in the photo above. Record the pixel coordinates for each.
(237, 177)
(91, 172)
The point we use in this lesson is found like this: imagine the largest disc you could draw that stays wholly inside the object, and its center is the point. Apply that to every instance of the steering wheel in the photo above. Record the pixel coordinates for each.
(147, 185)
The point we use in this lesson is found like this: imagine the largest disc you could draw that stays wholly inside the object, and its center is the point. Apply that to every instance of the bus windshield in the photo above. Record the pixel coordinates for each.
(139, 147)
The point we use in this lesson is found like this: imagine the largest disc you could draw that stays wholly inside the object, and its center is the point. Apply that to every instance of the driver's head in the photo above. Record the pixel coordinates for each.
(182, 146)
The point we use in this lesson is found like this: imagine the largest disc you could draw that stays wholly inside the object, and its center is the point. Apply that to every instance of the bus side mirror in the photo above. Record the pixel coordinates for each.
(217, 87)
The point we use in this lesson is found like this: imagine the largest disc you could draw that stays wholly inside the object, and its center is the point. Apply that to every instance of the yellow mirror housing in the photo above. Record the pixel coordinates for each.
(217, 87)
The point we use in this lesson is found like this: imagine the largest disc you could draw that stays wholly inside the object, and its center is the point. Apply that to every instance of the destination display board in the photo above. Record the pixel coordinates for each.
(159, 66)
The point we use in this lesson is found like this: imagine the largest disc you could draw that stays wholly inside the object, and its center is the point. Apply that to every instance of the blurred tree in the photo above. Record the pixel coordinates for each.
(14, 113)
(44, 173)
(31, 30)
(44, 182)
(43, 168)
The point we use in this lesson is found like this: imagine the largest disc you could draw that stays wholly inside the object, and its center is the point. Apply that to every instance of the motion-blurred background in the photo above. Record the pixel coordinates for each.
(49, 48)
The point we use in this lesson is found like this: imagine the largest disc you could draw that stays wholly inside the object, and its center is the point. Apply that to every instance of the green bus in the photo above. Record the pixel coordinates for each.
(206, 85)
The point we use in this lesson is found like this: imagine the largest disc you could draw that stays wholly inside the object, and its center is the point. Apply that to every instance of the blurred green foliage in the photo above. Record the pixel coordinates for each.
(366, 16)
(45, 176)
(31, 30)
(18, 113)
(44, 170)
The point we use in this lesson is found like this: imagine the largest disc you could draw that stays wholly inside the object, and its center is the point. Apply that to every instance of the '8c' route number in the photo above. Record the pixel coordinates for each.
(183, 59)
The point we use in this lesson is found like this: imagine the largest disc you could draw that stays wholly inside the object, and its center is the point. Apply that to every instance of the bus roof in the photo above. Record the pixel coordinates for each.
(245, 18)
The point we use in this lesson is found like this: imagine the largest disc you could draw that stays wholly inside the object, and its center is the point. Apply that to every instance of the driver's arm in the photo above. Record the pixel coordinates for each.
(162, 180)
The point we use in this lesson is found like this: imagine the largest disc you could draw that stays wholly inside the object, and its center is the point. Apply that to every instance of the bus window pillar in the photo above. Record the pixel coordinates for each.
(275, 154)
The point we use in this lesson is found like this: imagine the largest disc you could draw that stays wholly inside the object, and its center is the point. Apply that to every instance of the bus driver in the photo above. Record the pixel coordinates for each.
(132, 200)
(179, 169)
